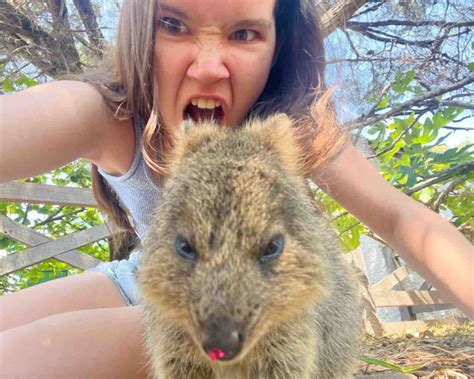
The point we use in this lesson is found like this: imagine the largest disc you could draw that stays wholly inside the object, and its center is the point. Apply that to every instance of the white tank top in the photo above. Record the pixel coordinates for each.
(137, 189)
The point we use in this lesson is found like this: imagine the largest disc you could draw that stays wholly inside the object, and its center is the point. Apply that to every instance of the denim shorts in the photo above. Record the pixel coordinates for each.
(123, 274)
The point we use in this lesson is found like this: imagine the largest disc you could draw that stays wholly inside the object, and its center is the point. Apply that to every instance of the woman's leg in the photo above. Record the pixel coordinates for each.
(93, 343)
(84, 291)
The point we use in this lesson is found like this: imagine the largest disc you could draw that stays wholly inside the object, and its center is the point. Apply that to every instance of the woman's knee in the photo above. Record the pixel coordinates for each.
(83, 291)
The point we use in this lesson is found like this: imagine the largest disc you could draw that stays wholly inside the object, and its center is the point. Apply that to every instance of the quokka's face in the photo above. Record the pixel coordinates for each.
(234, 250)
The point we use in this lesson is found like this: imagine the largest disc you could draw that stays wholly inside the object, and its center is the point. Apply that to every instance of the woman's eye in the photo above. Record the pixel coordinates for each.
(244, 35)
(184, 249)
(172, 25)
(273, 249)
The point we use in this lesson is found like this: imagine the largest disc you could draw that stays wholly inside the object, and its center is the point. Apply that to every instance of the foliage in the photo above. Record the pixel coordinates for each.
(18, 82)
(412, 155)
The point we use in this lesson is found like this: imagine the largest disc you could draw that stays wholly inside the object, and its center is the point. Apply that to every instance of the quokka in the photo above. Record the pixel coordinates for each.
(241, 276)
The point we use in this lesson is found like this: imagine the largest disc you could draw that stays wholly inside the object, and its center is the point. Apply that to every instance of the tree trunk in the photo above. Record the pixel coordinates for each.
(337, 15)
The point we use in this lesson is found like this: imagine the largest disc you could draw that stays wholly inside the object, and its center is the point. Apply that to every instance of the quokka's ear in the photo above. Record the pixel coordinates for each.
(277, 133)
(189, 138)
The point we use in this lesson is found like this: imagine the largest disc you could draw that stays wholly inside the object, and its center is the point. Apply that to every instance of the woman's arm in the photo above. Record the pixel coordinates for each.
(49, 125)
(428, 243)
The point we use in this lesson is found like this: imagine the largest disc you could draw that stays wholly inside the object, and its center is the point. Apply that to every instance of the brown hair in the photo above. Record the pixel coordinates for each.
(294, 86)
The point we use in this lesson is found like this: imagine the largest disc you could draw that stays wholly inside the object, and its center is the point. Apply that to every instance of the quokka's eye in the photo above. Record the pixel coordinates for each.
(184, 249)
(273, 249)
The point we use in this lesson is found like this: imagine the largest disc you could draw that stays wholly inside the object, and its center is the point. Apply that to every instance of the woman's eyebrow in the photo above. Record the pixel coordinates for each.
(253, 23)
(246, 23)
(170, 9)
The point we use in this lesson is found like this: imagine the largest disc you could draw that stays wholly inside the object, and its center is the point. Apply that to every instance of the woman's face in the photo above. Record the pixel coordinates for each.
(212, 58)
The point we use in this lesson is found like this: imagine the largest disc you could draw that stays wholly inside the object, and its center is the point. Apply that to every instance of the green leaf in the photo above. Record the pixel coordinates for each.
(425, 194)
(399, 145)
(402, 81)
(372, 131)
(26, 81)
(389, 365)
(409, 173)
(383, 102)
(441, 140)
(7, 86)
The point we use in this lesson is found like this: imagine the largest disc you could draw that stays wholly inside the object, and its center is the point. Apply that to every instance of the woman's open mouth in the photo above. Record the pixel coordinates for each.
(204, 110)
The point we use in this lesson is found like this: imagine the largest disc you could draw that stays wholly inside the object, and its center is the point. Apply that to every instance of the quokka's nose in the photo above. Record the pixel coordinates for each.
(222, 338)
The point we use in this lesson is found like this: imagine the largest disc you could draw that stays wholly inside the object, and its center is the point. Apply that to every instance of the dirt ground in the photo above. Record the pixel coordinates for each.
(442, 352)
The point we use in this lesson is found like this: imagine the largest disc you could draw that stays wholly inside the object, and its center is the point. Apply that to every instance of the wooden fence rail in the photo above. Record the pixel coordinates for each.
(383, 294)
(18, 192)
(42, 247)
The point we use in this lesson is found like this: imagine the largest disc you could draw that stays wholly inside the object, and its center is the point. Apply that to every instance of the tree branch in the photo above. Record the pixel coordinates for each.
(338, 14)
(44, 50)
(62, 28)
(467, 129)
(373, 8)
(459, 104)
(15, 22)
(440, 23)
(349, 228)
(373, 34)
(89, 19)
(360, 122)
(384, 151)
(441, 177)
(449, 188)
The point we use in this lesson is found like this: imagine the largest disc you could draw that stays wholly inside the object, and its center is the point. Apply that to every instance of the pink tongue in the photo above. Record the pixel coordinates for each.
(216, 354)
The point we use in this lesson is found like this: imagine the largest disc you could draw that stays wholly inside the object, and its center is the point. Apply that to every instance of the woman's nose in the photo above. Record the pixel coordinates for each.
(208, 66)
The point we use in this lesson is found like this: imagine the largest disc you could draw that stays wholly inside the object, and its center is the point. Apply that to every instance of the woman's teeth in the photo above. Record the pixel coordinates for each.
(206, 103)
(204, 110)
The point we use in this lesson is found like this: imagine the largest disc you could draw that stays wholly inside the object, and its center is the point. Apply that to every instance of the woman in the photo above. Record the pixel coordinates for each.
(237, 58)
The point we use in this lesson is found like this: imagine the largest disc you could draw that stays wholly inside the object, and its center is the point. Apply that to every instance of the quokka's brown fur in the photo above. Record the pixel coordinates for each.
(294, 316)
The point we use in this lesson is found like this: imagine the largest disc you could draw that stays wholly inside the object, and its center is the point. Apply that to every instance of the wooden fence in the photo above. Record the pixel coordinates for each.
(384, 294)
(42, 247)
(381, 294)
